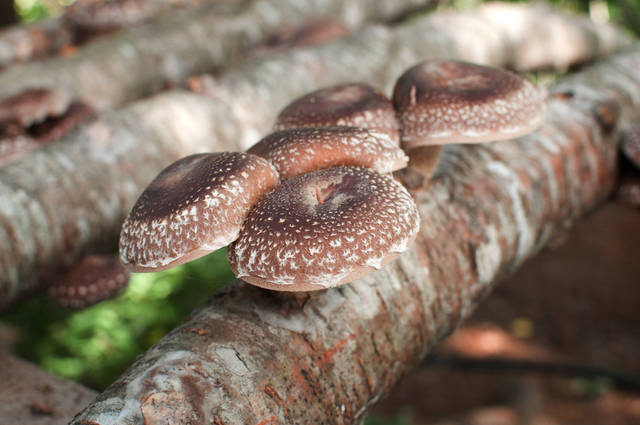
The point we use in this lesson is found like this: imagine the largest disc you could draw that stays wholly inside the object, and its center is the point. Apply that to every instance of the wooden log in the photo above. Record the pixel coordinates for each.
(86, 18)
(254, 356)
(29, 395)
(21, 43)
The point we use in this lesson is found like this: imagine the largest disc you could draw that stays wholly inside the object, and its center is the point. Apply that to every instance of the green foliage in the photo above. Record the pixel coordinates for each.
(31, 11)
(403, 417)
(95, 345)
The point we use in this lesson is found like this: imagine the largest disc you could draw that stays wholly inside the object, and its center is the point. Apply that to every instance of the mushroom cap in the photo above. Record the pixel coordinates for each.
(441, 102)
(95, 278)
(300, 150)
(351, 104)
(193, 207)
(33, 105)
(324, 228)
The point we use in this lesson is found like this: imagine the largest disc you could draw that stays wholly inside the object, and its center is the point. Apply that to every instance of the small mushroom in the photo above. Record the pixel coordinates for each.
(443, 102)
(300, 150)
(54, 128)
(324, 228)
(33, 106)
(311, 33)
(193, 207)
(352, 104)
(94, 279)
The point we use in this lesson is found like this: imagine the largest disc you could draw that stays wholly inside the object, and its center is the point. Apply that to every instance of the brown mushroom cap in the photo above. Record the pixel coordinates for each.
(442, 102)
(352, 104)
(300, 150)
(96, 278)
(33, 106)
(324, 229)
(193, 207)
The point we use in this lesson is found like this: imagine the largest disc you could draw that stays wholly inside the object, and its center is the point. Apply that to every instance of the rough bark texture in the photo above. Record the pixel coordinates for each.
(64, 200)
(140, 60)
(28, 395)
(255, 357)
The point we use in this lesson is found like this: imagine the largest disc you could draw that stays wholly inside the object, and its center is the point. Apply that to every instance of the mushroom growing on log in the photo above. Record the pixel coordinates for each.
(179, 217)
(193, 207)
(351, 104)
(300, 150)
(94, 279)
(443, 102)
(33, 106)
(323, 229)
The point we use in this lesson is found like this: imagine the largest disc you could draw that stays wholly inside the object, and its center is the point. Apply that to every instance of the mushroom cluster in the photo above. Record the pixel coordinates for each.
(314, 205)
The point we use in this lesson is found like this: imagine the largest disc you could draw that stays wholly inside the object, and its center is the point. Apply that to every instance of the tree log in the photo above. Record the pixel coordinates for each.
(21, 43)
(28, 395)
(253, 356)
(66, 199)
(138, 61)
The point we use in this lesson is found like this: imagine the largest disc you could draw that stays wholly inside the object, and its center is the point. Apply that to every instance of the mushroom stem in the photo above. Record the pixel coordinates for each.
(424, 160)
(319, 195)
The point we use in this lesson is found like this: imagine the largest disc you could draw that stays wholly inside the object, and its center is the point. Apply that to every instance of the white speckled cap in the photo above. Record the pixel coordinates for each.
(300, 150)
(351, 104)
(323, 229)
(193, 207)
(441, 102)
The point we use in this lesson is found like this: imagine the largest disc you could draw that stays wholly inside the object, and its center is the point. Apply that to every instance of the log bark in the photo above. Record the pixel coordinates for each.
(70, 197)
(28, 395)
(253, 356)
(138, 61)
(21, 43)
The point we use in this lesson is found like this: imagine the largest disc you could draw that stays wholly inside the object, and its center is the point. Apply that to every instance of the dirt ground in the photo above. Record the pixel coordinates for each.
(575, 305)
